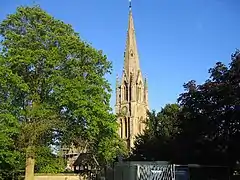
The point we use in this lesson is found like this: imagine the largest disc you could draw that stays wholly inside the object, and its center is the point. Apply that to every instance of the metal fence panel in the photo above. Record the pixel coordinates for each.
(155, 172)
(160, 170)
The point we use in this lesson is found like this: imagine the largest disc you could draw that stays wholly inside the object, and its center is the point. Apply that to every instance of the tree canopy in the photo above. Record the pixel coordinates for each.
(162, 129)
(53, 85)
(210, 115)
(10, 157)
(204, 128)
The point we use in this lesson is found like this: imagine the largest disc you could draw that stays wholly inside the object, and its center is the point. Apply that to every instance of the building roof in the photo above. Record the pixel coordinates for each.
(86, 159)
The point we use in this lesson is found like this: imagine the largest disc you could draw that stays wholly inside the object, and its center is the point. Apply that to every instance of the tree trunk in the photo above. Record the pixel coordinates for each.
(30, 162)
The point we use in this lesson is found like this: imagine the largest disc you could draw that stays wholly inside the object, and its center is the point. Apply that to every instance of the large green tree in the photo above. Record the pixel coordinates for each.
(210, 116)
(54, 86)
(206, 127)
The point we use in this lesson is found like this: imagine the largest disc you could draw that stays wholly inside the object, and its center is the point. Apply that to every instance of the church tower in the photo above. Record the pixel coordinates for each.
(131, 91)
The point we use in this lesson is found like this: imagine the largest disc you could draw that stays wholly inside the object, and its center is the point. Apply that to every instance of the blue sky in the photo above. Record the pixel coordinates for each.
(178, 40)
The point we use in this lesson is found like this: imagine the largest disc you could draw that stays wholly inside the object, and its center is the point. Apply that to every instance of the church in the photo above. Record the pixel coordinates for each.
(131, 91)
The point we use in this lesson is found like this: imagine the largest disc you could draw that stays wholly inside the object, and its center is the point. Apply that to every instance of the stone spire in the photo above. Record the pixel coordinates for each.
(131, 58)
(131, 93)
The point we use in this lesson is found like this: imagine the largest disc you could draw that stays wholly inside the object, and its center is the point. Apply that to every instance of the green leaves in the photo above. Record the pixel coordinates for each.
(47, 162)
(164, 123)
(212, 115)
(162, 128)
(54, 84)
(205, 127)
(10, 157)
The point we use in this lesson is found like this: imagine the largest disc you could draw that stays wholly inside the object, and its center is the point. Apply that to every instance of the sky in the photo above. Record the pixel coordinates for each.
(178, 40)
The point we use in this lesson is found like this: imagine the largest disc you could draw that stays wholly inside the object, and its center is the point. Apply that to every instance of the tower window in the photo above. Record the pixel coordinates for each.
(130, 93)
(126, 127)
(131, 53)
(121, 128)
(126, 91)
(130, 87)
(119, 94)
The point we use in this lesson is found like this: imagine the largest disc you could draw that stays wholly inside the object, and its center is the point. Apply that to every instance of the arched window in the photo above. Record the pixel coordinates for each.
(129, 126)
(126, 91)
(130, 94)
(126, 127)
(119, 94)
(131, 53)
(121, 128)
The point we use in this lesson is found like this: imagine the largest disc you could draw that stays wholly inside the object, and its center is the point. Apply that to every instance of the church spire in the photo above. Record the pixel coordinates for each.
(132, 92)
(131, 59)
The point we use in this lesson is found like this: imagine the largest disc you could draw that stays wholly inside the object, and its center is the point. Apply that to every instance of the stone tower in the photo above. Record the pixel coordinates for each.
(131, 91)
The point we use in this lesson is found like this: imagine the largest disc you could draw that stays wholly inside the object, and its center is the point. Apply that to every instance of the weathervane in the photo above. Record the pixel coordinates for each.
(130, 4)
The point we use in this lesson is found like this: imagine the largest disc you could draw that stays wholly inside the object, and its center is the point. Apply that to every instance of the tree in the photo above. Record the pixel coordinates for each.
(210, 123)
(162, 129)
(47, 162)
(206, 127)
(54, 85)
(10, 157)
(168, 118)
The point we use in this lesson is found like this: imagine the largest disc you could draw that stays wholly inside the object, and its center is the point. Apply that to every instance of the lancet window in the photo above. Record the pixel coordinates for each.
(125, 91)
(126, 127)
(121, 128)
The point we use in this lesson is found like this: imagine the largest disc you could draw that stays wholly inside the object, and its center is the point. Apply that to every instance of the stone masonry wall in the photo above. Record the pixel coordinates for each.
(58, 177)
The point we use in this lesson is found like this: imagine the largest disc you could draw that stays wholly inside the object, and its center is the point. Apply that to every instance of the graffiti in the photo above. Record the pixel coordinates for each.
(155, 172)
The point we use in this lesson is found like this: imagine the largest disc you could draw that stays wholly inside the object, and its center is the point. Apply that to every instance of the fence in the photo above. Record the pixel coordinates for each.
(155, 172)
(138, 170)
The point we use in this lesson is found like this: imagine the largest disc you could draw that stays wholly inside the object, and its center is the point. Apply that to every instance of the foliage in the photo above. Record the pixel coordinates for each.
(110, 147)
(210, 120)
(10, 157)
(205, 129)
(162, 128)
(47, 162)
(166, 122)
(54, 84)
